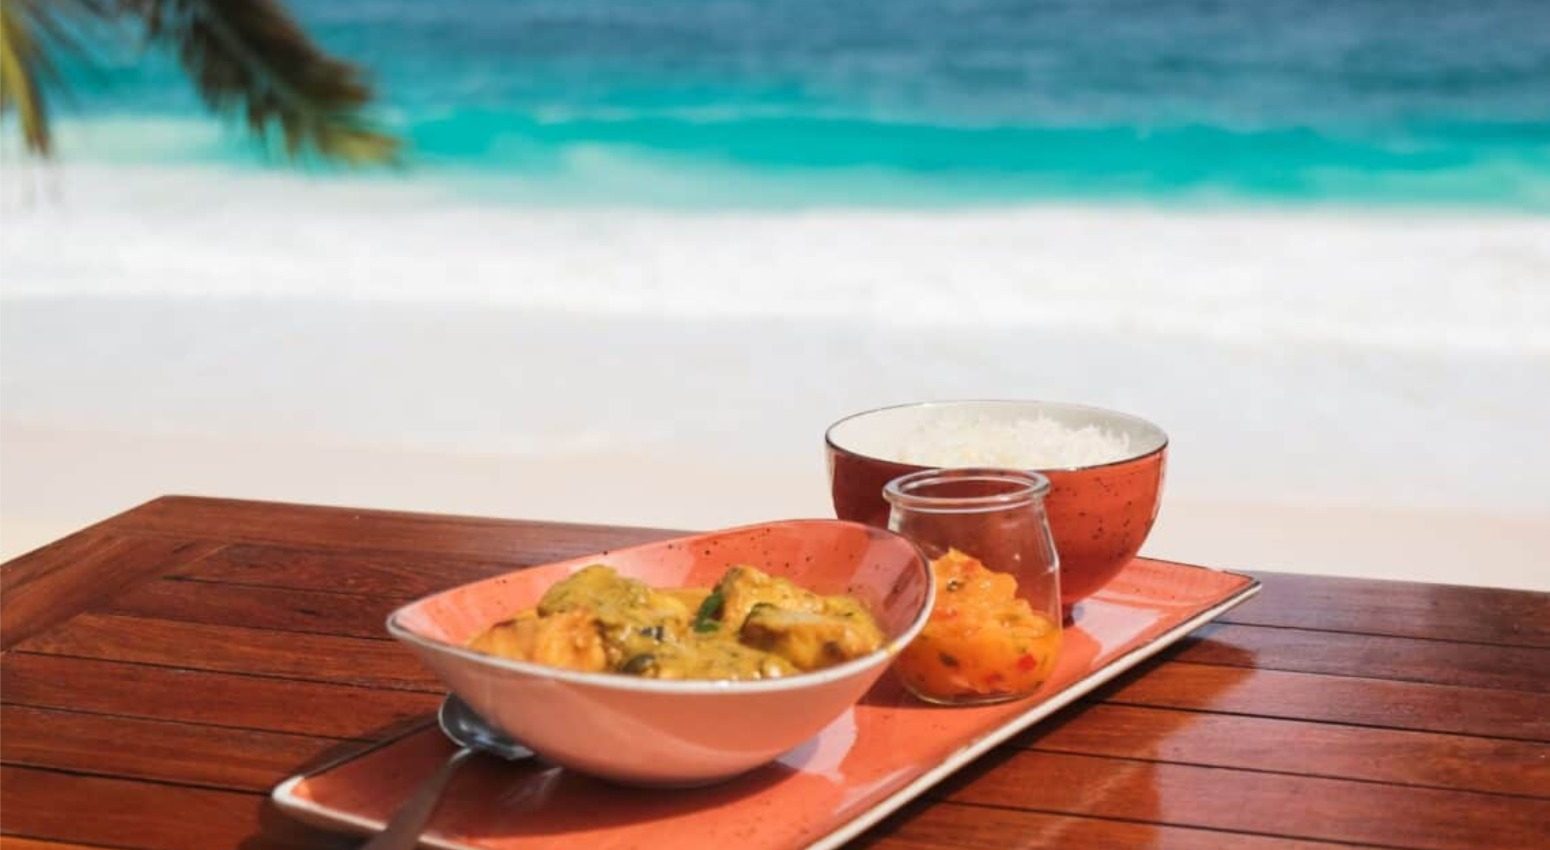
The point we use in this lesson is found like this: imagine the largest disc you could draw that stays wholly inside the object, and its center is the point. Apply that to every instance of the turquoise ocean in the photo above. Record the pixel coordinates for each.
(912, 102)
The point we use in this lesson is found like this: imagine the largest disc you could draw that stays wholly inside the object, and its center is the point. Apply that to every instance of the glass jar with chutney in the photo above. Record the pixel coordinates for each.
(994, 633)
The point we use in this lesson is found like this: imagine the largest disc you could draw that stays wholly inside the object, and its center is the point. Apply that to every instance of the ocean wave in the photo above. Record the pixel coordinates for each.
(714, 158)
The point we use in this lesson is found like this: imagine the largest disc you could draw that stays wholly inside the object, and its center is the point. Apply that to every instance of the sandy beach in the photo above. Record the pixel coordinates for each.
(1346, 392)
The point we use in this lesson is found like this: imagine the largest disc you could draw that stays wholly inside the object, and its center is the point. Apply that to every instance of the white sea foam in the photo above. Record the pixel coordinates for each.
(1406, 281)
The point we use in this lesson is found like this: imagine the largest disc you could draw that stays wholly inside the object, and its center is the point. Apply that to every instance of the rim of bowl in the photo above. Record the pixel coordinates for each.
(828, 434)
(625, 682)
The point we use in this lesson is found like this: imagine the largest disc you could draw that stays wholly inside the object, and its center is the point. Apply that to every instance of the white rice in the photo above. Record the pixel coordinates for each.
(973, 439)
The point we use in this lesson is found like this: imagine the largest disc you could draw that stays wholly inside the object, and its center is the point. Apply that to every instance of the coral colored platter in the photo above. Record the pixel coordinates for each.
(880, 754)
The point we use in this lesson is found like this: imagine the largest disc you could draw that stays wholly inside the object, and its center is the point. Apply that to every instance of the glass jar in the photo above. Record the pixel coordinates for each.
(994, 633)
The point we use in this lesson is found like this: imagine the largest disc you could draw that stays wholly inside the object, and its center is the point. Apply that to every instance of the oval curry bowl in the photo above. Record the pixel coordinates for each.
(675, 732)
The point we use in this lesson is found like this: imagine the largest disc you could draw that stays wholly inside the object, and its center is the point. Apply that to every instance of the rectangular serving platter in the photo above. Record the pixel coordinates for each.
(876, 757)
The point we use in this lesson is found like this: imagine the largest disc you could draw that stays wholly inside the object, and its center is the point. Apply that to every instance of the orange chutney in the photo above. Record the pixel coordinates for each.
(981, 639)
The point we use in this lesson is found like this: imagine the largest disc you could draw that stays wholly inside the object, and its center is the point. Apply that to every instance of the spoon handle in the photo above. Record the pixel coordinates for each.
(403, 831)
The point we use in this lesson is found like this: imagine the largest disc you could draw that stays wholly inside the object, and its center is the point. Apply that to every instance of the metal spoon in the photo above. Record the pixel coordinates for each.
(464, 727)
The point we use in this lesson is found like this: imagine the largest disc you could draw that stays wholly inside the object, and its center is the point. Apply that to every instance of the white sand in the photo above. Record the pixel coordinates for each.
(108, 471)
(1346, 393)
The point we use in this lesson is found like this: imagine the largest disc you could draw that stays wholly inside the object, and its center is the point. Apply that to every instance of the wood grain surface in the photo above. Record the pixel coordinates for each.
(163, 669)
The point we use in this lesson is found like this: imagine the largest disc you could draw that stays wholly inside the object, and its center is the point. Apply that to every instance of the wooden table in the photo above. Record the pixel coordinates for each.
(164, 668)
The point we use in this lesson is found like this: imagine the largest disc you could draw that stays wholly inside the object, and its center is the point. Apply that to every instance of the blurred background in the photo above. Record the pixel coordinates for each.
(629, 259)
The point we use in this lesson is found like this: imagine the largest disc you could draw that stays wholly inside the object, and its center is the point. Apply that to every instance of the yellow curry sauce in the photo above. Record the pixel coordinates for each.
(751, 625)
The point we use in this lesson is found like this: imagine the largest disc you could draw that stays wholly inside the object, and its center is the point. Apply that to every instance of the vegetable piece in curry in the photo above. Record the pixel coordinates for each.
(751, 625)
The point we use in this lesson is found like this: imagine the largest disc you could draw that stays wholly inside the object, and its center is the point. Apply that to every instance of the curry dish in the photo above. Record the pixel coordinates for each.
(751, 625)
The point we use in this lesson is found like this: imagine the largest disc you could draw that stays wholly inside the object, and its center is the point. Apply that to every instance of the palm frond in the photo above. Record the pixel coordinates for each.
(31, 32)
(23, 68)
(251, 58)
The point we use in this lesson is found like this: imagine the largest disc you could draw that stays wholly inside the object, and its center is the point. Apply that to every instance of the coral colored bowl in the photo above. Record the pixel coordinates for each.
(653, 732)
(1099, 515)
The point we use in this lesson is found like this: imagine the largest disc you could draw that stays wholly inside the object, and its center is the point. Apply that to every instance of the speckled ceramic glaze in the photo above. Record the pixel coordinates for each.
(871, 759)
(1099, 515)
(653, 732)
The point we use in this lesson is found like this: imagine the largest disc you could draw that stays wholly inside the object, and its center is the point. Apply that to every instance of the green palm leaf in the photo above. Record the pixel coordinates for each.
(24, 66)
(247, 58)
(251, 58)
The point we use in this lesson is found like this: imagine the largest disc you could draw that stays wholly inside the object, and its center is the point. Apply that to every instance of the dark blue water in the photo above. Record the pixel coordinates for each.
(940, 101)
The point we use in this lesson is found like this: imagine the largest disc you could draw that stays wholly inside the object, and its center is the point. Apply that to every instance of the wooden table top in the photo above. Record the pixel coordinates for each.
(163, 669)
